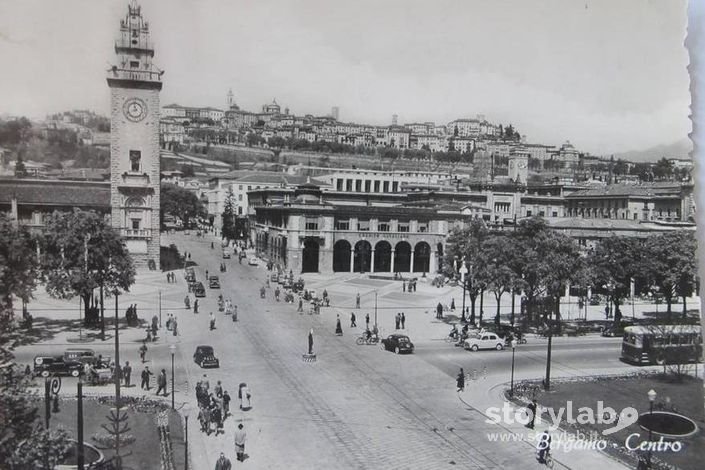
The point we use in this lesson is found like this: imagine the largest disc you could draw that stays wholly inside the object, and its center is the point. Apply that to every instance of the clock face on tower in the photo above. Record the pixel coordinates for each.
(134, 109)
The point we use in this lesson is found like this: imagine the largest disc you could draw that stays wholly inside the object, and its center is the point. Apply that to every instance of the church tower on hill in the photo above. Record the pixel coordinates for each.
(135, 84)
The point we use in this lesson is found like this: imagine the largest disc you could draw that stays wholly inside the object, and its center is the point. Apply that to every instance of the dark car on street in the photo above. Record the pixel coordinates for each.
(616, 330)
(205, 357)
(214, 282)
(199, 290)
(47, 366)
(397, 343)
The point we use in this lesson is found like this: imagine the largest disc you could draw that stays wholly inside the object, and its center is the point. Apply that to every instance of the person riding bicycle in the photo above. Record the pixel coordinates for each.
(453, 332)
(543, 446)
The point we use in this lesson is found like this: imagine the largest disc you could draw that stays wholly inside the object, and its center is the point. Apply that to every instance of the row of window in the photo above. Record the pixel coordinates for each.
(370, 186)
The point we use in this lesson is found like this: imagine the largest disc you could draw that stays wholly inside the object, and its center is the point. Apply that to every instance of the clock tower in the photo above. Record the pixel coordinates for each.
(134, 139)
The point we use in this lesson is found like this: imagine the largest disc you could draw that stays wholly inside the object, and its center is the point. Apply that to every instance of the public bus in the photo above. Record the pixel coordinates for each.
(662, 344)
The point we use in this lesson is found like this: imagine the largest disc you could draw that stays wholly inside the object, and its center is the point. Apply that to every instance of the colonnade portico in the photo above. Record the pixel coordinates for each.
(384, 256)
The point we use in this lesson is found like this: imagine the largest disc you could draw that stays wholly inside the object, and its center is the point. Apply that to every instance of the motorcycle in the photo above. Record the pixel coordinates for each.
(364, 339)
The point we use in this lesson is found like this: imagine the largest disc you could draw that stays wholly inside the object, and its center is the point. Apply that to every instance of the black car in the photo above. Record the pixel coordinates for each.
(205, 357)
(56, 365)
(214, 282)
(199, 290)
(397, 343)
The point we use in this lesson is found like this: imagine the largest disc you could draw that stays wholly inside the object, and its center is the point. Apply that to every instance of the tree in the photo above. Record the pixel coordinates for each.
(23, 442)
(663, 169)
(228, 230)
(82, 253)
(615, 262)
(670, 264)
(180, 202)
(498, 275)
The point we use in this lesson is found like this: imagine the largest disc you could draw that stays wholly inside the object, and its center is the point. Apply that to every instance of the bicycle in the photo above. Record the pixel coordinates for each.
(548, 459)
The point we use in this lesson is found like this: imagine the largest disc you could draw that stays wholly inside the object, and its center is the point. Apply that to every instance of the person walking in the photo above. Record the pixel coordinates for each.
(206, 274)
(187, 302)
(452, 304)
(357, 300)
(352, 320)
(226, 404)
(195, 306)
(212, 321)
(161, 382)
(338, 326)
(145, 378)
(397, 320)
(460, 382)
(126, 371)
(240, 437)
(218, 390)
(223, 463)
(245, 397)
(531, 411)
(310, 341)
(439, 311)
(403, 321)
(143, 351)
(301, 305)
(403, 286)
(367, 321)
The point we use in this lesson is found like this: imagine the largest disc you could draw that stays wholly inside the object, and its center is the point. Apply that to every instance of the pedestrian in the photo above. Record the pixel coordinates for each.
(240, 437)
(206, 274)
(403, 320)
(414, 286)
(145, 378)
(205, 385)
(161, 382)
(126, 371)
(173, 326)
(218, 390)
(338, 327)
(403, 286)
(310, 341)
(223, 463)
(143, 351)
(301, 305)
(357, 300)
(439, 311)
(226, 404)
(607, 312)
(168, 278)
(212, 321)
(531, 411)
(245, 397)
(452, 304)
(461, 380)
(352, 320)
(397, 320)
(189, 256)
(195, 306)
(367, 321)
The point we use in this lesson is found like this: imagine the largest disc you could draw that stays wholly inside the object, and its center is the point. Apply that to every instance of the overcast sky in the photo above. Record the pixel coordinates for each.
(607, 75)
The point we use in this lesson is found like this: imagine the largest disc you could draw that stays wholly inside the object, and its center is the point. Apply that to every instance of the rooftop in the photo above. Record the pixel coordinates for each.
(55, 193)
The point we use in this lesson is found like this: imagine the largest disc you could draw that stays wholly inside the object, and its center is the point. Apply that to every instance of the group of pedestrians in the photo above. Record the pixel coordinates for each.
(400, 321)
(171, 278)
(408, 287)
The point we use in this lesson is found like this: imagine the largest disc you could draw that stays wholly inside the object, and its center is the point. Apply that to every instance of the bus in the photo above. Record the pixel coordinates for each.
(662, 344)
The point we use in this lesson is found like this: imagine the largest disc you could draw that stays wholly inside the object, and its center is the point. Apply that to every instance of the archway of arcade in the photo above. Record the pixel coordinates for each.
(309, 262)
(362, 257)
(382, 257)
(341, 256)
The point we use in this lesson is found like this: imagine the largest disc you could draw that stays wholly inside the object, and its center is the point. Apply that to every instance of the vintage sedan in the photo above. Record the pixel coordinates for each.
(214, 282)
(226, 254)
(56, 365)
(397, 343)
(205, 357)
(253, 261)
(484, 341)
(199, 290)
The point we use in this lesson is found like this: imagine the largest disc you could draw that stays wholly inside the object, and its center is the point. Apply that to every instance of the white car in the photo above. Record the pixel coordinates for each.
(484, 341)
(253, 261)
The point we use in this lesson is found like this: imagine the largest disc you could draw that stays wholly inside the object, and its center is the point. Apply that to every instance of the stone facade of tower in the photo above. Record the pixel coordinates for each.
(134, 141)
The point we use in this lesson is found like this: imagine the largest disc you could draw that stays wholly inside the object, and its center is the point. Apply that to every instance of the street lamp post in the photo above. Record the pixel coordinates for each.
(463, 271)
(186, 413)
(652, 396)
(172, 348)
(511, 389)
(375, 309)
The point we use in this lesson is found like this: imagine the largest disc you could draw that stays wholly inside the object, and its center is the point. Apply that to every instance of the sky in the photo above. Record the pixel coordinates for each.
(608, 76)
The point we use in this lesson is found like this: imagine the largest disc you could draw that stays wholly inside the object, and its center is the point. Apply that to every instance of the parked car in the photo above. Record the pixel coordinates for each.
(199, 290)
(47, 366)
(484, 341)
(226, 254)
(397, 343)
(595, 300)
(205, 357)
(573, 329)
(190, 274)
(214, 282)
(274, 277)
(252, 261)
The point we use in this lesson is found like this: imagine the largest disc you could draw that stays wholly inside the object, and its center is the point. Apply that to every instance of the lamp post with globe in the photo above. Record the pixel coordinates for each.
(652, 397)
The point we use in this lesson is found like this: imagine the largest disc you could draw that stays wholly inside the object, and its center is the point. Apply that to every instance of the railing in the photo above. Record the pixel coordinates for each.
(136, 233)
(132, 74)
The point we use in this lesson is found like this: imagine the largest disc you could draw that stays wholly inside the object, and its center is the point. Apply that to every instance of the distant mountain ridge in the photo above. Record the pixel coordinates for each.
(678, 149)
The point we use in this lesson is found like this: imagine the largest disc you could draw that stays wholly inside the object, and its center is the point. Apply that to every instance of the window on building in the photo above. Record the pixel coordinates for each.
(383, 226)
(239, 197)
(368, 186)
(528, 213)
(339, 184)
(542, 214)
(134, 64)
(358, 186)
(363, 225)
(135, 224)
(239, 187)
(348, 185)
(239, 210)
(249, 188)
(403, 226)
(423, 228)
(555, 213)
(135, 160)
(311, 223)
(385, 187)
(376, 186)
(342, 224)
